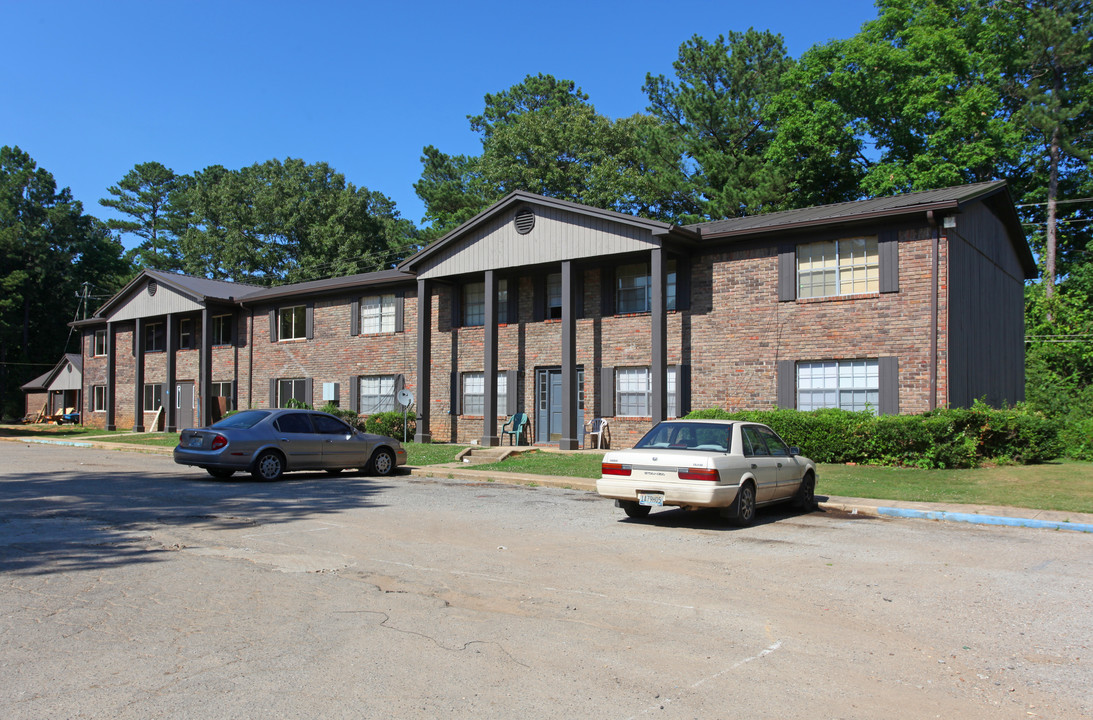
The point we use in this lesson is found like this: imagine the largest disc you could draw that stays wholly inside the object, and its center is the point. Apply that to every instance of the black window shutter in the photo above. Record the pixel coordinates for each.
(273, 392)
(683, 283)
(683, 390)
(538, 297)
(309, 391)
(309, 323)
(787, 273)
(888, 385)
(456, 395)
(514, 300)
(607, 392)
(457, 306)
(512, 391)
(888, 260)
(400, 311)
(273, 325)
(400, 383)
(787, 384)
(355, 318)
(355, 393)
(607, 300)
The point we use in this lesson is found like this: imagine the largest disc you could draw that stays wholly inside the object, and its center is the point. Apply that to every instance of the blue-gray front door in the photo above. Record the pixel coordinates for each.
(548, 405)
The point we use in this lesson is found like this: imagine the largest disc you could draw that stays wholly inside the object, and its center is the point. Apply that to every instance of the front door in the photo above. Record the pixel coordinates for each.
(184, 404)
(548, 405)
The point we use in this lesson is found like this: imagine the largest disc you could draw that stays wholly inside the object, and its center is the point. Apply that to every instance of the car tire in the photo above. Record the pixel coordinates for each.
(805, 499)
(269, 466)
(634, 510)
(382, 463)
(742, 511)
(220, 473)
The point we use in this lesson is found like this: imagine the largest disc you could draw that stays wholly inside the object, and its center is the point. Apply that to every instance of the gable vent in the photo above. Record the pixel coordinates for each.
(152, 287)
(525, 221)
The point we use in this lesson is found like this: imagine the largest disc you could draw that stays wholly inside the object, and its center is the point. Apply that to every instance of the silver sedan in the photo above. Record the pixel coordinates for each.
(267, 443)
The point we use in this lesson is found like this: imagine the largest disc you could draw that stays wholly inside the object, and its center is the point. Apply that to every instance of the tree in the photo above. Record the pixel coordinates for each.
(287, 221)
(543, 136)
(717, 107)
(144, 195)
(48, 247)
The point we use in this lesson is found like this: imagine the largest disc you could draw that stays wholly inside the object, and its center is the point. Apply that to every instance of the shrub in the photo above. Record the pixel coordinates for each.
(390, 424)
(945, 438)
(350, 416)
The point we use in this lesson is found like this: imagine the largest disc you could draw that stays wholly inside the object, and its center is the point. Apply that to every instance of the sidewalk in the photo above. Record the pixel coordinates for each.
(951, 512)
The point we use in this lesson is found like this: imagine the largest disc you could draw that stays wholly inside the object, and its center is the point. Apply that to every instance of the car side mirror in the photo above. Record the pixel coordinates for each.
(794, 450)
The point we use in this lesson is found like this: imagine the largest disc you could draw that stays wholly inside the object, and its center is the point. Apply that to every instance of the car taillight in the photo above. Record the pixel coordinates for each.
(219, 441)
(615, 469)
(698, 474)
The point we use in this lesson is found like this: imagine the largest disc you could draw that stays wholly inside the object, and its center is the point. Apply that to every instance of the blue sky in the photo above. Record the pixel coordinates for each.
(89, 89)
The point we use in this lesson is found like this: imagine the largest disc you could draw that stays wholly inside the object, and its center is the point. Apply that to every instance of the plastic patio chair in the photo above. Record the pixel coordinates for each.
(599, 432)
(517, 422)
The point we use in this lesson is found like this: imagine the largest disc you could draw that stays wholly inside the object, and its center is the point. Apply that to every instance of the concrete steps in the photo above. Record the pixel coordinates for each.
(481, 455)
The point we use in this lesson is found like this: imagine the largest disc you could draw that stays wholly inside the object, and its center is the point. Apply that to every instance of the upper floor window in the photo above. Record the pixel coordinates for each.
(838, 267)
(100, 343)
(378, 314)
(222, 330)
(293, 323)
(185, 334)
(154, 337)
(554, 296)
(634, 289)
(846, 384)
(474, 303)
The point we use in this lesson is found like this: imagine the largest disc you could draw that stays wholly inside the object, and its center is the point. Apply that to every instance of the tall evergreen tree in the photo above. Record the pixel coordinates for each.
(144, 195)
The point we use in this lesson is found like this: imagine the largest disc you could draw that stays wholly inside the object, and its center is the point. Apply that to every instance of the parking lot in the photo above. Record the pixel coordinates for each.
(133, 588)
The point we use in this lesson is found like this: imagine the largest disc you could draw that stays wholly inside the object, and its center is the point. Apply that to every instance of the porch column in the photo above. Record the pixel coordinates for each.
(138, 376)
(424, 359)
(489, 364)
(569, 439)
(111, 371)
(170, 422)
(205, 373)
(658, 316)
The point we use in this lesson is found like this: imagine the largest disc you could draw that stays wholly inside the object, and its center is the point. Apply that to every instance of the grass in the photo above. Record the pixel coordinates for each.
(158, 439)
(418, 454)
(580, 465)
(61, 431)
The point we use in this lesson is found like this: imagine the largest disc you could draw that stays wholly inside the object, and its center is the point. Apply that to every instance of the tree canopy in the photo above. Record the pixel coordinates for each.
(147, 195)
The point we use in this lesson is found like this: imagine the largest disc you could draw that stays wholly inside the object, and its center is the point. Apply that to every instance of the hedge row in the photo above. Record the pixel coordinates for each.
(947, 438)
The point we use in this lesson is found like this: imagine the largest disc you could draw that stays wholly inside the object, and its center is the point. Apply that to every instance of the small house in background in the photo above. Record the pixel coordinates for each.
(56, 393)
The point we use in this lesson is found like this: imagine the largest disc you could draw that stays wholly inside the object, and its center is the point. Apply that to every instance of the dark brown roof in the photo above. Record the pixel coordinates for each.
(330, 285)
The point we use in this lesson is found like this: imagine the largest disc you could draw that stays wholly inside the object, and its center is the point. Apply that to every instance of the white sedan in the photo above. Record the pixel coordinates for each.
(736, 466)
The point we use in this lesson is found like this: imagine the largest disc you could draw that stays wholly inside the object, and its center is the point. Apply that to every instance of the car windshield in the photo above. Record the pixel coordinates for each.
(712, 437)
(245, 419)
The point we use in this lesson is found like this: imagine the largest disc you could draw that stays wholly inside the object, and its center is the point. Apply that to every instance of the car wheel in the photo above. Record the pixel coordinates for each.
(270, 465)
(634, 510)
(334, 471)
(805, 499)
(383, 463)
(742, 510)
(221, 473)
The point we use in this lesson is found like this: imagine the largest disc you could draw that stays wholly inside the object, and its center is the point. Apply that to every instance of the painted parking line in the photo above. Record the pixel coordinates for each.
(983, 519)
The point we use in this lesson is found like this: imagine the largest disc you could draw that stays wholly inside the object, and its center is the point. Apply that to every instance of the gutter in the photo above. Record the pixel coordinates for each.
(934, 265)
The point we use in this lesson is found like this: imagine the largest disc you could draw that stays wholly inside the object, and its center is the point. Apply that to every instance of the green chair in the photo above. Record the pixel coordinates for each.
(517, 422)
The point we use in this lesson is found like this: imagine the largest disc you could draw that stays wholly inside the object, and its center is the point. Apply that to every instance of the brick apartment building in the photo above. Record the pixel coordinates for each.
(568, 312)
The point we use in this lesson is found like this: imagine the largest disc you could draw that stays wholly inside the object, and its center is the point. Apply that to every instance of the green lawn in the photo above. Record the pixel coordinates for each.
(579, 465)
(60, 431)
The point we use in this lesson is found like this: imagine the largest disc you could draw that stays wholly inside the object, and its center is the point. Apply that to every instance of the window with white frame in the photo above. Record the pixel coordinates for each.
(292, 389)
(185, 334)
(845, 384)
(100, 343)
(554, 296)
(378, 314)
(634, 289)
(474, 303)
(672, 410)
(153, 397)
(838, 267)
(98, 395)
(377, 394)
(293, 323)
(474, 393)
(224, 390)
(154, 336)
(222, 330)
(632, 392)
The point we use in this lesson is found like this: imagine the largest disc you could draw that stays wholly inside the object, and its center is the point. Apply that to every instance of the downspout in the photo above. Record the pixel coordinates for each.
(250, 361)
(935, 245)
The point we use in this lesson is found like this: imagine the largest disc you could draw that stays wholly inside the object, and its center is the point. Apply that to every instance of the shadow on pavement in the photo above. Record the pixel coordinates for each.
(88, 520)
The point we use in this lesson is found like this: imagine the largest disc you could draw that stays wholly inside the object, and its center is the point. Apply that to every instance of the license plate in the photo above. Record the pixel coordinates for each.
(653, 499)
(194, 441)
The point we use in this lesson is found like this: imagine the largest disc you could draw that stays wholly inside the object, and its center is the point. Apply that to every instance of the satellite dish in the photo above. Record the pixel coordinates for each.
(405, 397)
